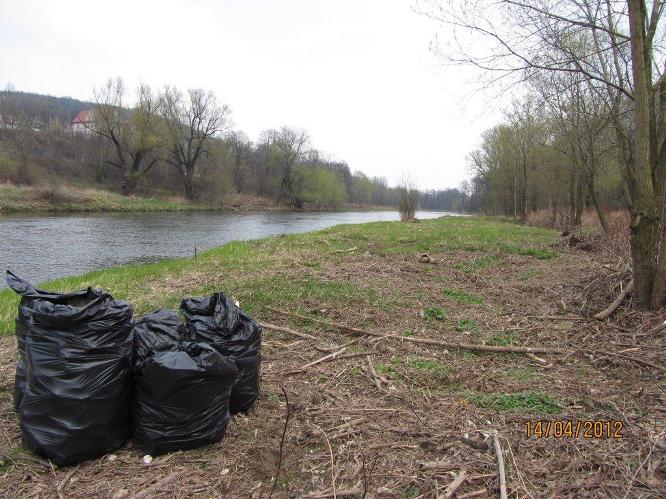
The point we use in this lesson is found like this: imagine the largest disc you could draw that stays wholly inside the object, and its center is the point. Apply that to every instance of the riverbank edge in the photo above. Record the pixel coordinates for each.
(28, 200)
(249, 257)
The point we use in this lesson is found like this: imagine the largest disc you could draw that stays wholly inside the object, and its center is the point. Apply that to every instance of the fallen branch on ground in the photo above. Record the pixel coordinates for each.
(330, 450)
(618, 301)
(60, 491)
(445, 344)
(451, 489)
(288, 331)
(333, 356)
(476, 493)
(500, 466)
(373, 374)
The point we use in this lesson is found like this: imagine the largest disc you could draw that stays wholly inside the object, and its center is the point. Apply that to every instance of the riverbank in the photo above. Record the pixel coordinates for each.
(69, 199)
(401, 414)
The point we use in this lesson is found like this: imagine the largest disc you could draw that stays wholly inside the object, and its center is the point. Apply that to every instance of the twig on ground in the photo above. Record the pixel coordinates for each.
(356, 491)
(445, 344)
(326, 358)
(476, 493)
(289, 331)
(157, 486)
(284, 434)
(453, 486)
(633, 477)
(60, 491)
(373, 373)
(618, 301)
(23, 457)
(330, 450)
(500, 465)
(626, 357)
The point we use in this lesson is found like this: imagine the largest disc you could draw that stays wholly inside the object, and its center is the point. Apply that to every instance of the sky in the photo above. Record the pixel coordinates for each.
(357, 74)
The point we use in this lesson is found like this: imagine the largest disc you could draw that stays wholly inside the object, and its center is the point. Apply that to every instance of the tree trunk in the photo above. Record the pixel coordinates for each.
(579, 202)
(659, 285)
(129, 183)
(523, 193)
(595, 201)
(645, 215)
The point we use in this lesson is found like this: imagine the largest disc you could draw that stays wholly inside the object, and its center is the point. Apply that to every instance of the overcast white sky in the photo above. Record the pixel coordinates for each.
(357, 74)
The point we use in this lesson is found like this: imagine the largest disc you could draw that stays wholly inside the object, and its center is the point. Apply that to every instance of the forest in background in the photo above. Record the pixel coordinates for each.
(173, 143)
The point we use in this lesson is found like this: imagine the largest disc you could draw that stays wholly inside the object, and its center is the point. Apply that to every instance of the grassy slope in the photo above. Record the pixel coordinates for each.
(258, 272)
(29, 199)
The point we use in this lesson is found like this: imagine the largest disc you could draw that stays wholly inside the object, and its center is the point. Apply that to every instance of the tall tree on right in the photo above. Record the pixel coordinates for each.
(621, 60)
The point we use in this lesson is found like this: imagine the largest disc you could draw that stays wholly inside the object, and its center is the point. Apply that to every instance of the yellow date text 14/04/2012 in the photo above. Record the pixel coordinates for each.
(574, 429)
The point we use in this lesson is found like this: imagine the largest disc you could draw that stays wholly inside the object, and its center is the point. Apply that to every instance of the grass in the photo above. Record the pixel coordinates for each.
(522, 373)
(262, 272)
(71, 199)
(467, 325)
(434, 312)
(434, 368)
(503, 339)
(462, 297)
(527, 401)
(477, 264)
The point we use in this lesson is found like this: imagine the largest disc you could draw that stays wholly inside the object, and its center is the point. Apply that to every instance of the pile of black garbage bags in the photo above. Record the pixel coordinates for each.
(89, 375)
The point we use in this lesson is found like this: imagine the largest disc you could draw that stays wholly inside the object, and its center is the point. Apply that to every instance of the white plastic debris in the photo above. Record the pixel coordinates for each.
(112, 457)
(225, 471)
(147, 459)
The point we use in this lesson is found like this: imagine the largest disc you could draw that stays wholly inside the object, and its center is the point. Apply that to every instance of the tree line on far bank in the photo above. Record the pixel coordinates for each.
(175, 142)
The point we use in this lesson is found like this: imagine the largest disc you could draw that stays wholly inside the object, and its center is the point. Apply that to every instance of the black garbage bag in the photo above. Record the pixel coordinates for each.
(157, 332)
(74, 395)
(217, 321)
(28, 295)
(181, 400)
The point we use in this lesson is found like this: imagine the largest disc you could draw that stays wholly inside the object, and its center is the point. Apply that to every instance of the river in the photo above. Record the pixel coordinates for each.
(44, 247)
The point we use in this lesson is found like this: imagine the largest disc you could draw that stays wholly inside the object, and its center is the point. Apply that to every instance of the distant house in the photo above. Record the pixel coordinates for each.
(7, 121)
(82, 122)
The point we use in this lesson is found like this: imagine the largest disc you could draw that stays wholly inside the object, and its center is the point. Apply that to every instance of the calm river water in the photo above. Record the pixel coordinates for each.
(43, 247)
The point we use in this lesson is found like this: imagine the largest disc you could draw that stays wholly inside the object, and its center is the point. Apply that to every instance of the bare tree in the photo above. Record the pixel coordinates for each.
(581, 118)
(56, 145)
(22, 136)
(622, 60)
(192, 121)
(134, 133)
(290, 145)
(408, 198)
(240, 147)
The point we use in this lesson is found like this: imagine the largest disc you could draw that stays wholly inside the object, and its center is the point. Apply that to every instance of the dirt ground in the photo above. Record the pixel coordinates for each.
(428, 414)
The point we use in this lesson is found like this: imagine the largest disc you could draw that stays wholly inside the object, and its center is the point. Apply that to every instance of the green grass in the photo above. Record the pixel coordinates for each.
(467, 325)
(522, 373)
(462, 297)
(261, 272)
(436, 235)
(503, 339)
(71, 199)
(527, 401)
(476, 264)
(437, 313)
(436, 369)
